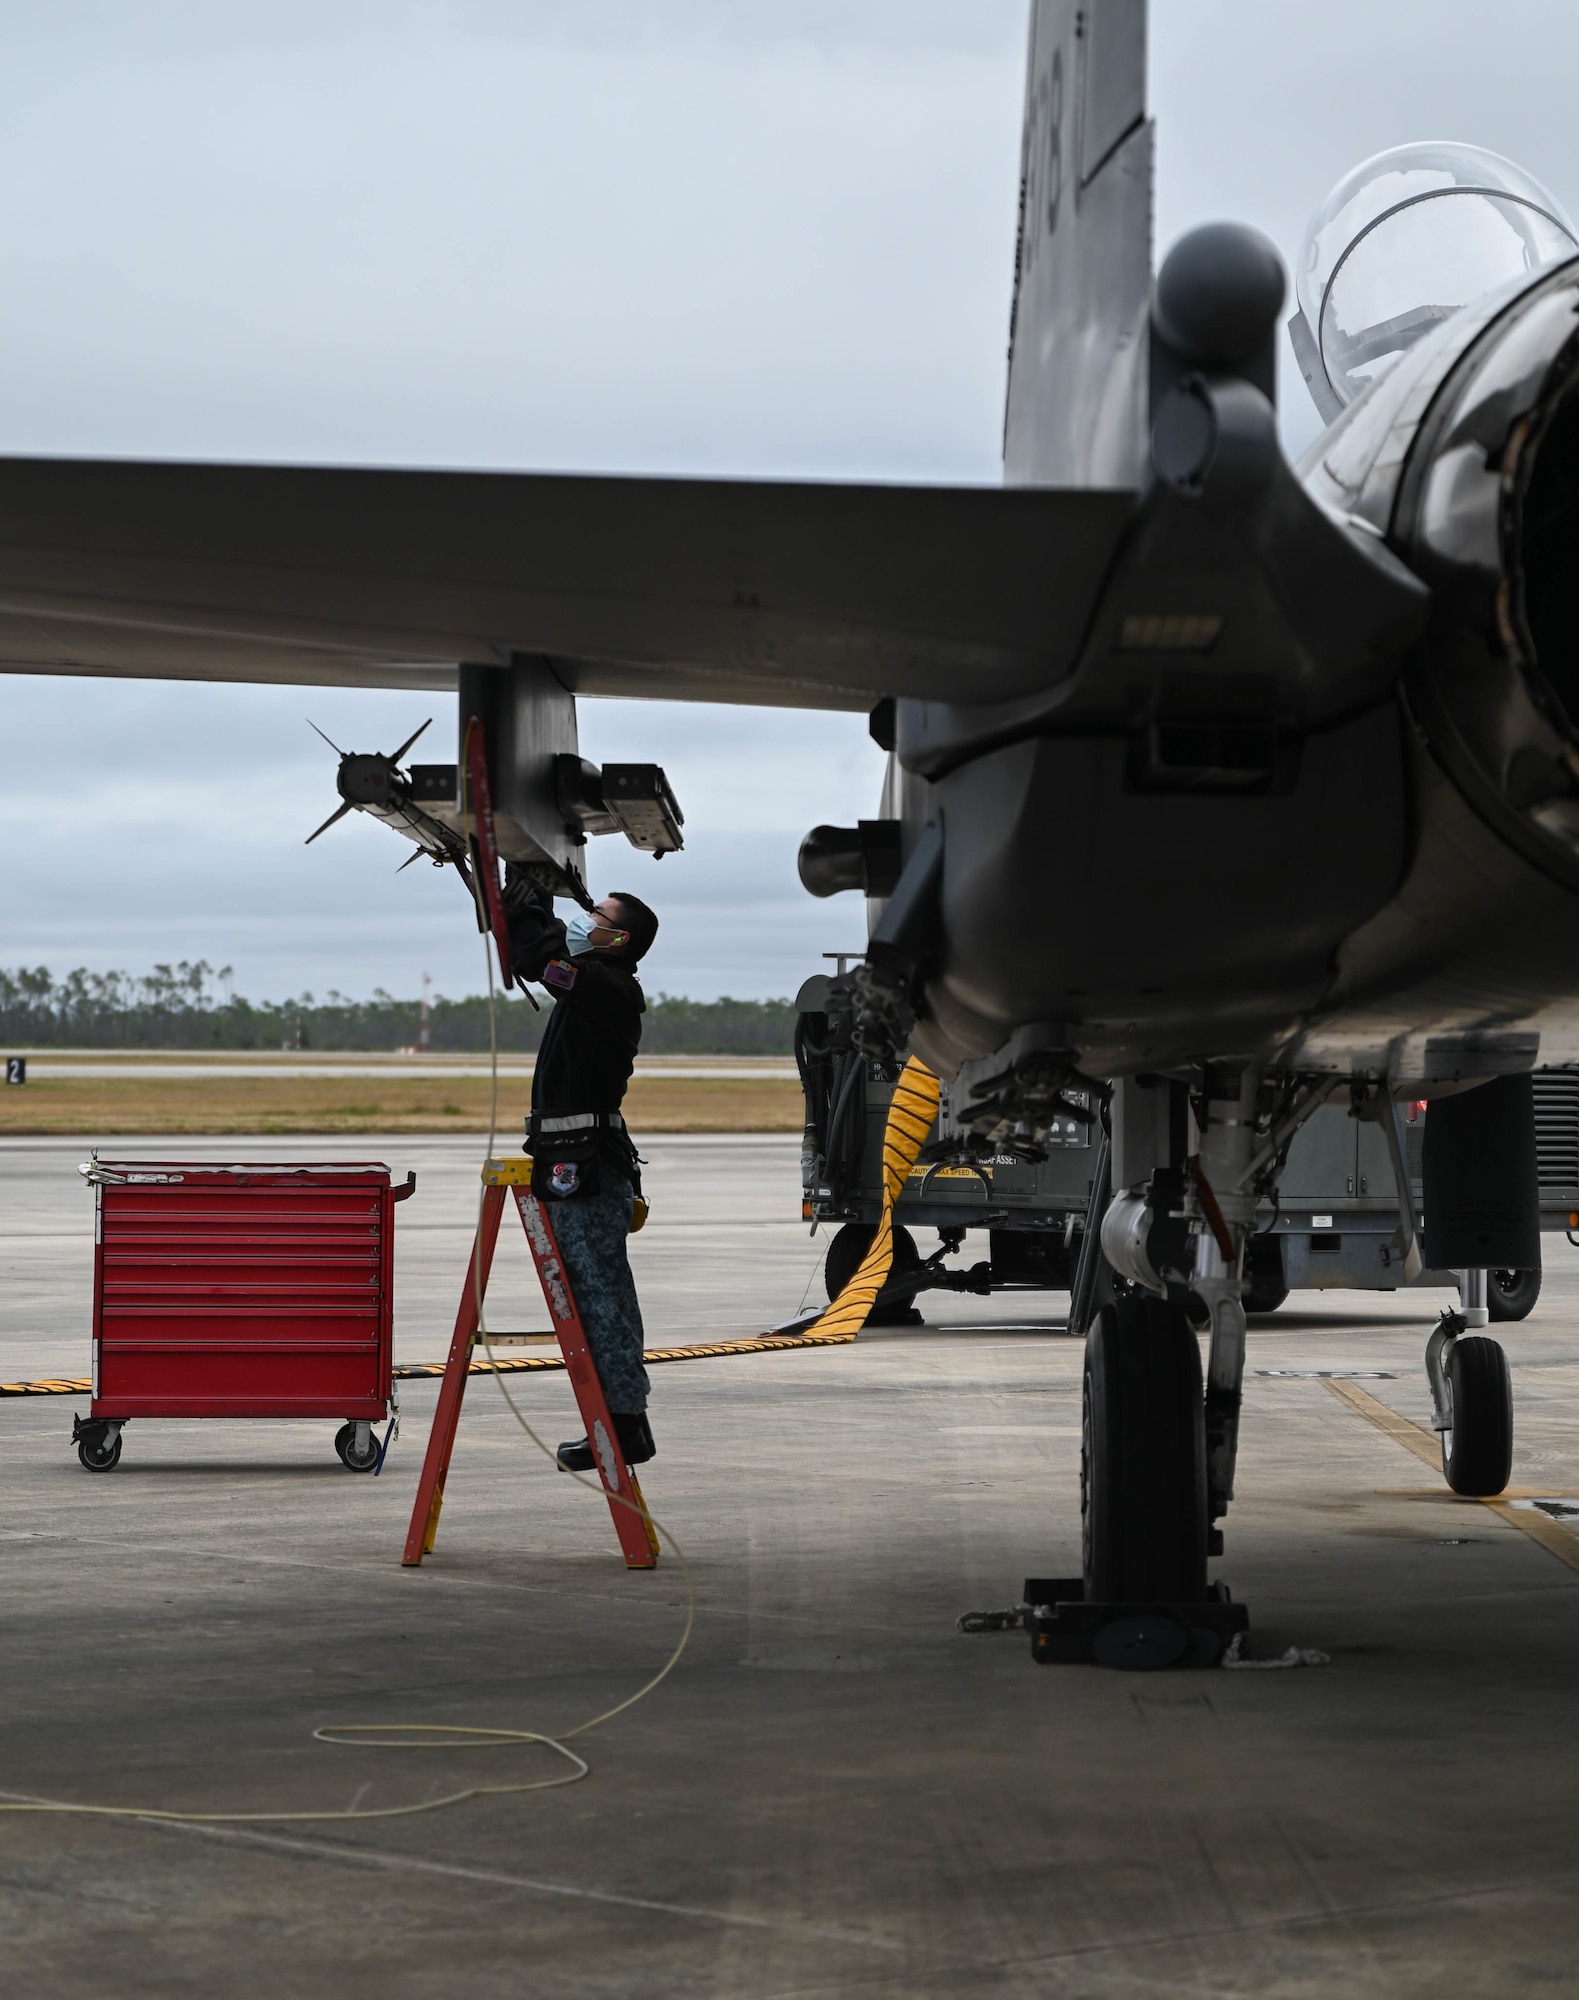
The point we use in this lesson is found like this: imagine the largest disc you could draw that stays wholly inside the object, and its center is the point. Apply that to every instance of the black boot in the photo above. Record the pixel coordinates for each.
(635, 1436)
(633, 1432)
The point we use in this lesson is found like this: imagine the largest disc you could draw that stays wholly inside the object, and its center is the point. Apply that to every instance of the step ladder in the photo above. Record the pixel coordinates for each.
(513, 1176)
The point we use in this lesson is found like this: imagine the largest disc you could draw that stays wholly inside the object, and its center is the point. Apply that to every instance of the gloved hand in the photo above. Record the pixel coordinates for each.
(536, 934)
(521, 892)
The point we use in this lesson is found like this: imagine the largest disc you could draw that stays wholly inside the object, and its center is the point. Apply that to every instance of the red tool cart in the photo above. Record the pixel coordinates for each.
(245, 1291)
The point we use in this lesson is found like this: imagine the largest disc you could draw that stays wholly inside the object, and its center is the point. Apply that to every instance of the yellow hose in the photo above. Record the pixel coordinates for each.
(911, 1115)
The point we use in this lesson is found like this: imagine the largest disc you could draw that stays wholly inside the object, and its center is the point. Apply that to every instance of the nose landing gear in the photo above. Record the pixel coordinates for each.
(1143, 1456)
(1143, 1601)
(1157, 1444)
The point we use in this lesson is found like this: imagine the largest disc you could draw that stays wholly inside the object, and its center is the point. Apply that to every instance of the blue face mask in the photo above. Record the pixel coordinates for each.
(578, 933)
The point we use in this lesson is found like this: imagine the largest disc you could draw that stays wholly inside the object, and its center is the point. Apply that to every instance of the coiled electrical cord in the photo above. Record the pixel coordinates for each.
(436, 1735)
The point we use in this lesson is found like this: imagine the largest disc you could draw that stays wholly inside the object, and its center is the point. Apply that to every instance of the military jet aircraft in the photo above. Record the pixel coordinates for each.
(1218, 786)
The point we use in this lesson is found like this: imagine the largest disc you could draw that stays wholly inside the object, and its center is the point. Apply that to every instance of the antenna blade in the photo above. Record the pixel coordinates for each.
(396, 755)
(416, 854)
(338, 813)
(328, 739)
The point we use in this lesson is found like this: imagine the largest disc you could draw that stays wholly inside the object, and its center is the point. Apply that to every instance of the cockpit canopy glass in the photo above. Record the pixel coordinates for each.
(1406, 239)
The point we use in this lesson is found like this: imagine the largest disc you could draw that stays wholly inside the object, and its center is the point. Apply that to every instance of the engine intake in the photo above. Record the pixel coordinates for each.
(1487, 512)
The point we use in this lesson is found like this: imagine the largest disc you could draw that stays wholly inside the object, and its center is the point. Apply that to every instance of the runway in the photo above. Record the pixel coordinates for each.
(836, 1792)
(53, 1065)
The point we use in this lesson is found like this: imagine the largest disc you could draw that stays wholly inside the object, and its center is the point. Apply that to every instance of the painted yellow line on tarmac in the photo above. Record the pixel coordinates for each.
(1552, 1535)
(1469, 1500)
(1412, 1436)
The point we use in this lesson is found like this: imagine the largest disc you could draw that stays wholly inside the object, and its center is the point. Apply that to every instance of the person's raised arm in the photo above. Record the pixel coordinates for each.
(536, 934)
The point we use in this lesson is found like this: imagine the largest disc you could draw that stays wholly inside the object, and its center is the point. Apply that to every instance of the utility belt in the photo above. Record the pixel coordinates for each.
(568, 1150)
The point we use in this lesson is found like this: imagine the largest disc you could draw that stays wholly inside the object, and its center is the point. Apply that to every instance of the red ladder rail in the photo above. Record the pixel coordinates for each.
(424, 1527)
(632, 1524)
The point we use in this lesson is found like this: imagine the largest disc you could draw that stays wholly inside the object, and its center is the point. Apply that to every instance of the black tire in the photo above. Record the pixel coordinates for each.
(844, 1259)
(1477, 1453)
(1512, 1294)
(100, 1453)
(1143, 1457)
(345, 1445)
(1265, 1285)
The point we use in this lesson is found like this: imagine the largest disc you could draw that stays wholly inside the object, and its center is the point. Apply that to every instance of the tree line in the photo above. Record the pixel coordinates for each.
(189, 1006)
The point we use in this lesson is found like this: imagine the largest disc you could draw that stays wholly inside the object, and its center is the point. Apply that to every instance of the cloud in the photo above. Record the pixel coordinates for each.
(716, 236)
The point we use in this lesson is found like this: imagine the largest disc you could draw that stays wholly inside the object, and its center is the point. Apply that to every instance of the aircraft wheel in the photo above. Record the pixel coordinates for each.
(1265, 1285)
(1143, 1456)
(345, 1444)
(1512, 1294)
(844, 1258)
(1477, 1452)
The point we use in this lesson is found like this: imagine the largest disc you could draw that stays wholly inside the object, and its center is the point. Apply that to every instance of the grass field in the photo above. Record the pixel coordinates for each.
(90, 1106)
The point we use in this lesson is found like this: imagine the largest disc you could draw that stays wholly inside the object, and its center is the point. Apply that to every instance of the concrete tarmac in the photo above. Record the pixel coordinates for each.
(835, 1792)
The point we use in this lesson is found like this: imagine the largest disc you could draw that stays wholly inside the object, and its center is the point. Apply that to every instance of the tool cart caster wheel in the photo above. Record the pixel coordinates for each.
(350, 1457)
(100, 1453)
(1477, 1453)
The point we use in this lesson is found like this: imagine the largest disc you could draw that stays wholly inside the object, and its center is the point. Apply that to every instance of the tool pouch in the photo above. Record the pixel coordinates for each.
(566, 1166)
(572, 1169)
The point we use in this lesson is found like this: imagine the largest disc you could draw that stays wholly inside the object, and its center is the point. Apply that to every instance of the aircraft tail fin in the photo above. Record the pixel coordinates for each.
(1082, 280)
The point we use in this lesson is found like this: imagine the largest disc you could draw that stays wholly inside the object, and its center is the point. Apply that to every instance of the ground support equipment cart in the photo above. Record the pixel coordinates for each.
(241, 1291)
(1335, 1225)
(1033, 1211)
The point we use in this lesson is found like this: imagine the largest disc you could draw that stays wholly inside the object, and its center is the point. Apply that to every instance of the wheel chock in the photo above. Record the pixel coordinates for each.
(1136, 1638)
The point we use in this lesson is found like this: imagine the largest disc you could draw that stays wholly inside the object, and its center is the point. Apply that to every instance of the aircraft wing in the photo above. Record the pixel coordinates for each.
(800, 595)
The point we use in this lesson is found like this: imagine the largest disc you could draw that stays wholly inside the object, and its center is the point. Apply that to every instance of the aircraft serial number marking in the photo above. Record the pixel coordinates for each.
(1044, 155)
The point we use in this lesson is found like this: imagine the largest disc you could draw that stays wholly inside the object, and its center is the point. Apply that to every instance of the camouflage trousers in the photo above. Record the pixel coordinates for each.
(592, 1230)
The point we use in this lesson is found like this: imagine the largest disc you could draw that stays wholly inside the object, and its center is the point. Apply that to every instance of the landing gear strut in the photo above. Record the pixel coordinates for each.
(1224, 1216)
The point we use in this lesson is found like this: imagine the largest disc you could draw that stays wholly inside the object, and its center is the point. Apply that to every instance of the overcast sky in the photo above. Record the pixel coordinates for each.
(702, 236)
